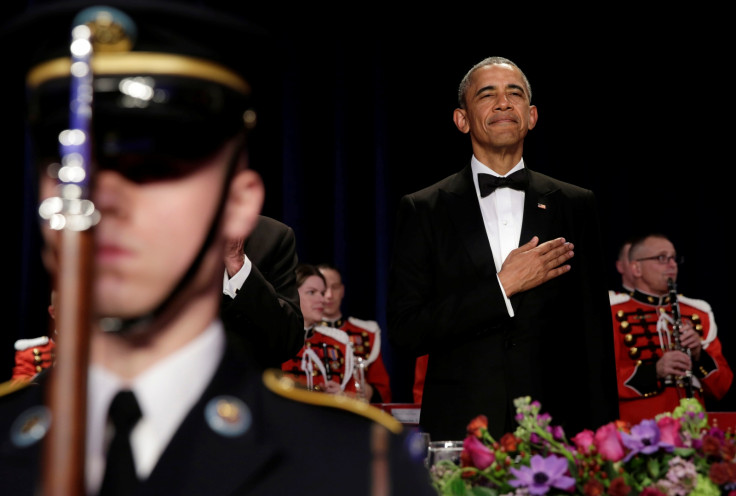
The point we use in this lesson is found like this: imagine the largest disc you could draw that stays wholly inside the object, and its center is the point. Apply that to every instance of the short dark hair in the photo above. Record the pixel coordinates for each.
(465, 82)
(639, 240)
(304, 271)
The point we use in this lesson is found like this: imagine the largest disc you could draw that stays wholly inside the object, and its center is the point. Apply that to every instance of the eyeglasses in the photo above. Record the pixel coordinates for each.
(664, 259)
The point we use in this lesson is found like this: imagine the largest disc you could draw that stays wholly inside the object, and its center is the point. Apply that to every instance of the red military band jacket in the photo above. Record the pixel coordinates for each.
(365, 336)
(642, 328)
(32, 356)
(327, 354)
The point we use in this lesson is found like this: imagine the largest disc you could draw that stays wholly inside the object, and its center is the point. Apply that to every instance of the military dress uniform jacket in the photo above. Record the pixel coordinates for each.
(277, 442)
(642, 328)
(327, 354)
(445, 300)
(365, 336)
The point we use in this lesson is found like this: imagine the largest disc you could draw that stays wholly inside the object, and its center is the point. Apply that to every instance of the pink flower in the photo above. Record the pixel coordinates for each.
(583, 440)
(608, 442)
(651, 491)
(480, 455)
(669, 431)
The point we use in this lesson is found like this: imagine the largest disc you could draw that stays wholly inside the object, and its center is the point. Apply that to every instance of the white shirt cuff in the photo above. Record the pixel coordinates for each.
(231, 285)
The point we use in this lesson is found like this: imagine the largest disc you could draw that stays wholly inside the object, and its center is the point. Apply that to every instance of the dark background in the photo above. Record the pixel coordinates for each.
(359, 112)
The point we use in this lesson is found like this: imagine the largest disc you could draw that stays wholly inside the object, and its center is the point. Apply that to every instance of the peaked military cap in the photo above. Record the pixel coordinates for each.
(171, 78)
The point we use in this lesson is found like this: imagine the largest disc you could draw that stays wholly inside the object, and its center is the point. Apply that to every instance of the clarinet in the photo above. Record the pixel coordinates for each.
(687, 380)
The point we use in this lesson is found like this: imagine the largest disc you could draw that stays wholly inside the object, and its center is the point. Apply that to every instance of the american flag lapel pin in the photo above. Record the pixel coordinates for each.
(542, 206)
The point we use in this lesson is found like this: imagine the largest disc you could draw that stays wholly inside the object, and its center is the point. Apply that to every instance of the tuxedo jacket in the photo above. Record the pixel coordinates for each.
(268, 303)
(445, 300)
(296, 442)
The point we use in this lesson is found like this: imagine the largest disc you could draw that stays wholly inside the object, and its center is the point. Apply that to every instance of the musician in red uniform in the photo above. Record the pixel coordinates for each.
(34, 355)
(325, 362)
(658, 361)
(365, 335)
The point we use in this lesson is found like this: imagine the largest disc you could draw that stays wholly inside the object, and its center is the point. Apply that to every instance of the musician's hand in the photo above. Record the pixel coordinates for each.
(532, 264)
(234, 256)
(690, 339)
(673, 363)
(331, 387)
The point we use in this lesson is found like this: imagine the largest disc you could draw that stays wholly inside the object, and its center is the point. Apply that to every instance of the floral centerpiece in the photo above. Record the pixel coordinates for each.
(676, 453)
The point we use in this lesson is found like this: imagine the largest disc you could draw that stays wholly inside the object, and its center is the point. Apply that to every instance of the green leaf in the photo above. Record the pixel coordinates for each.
(483, 491)
(456, 487)
(653, 468)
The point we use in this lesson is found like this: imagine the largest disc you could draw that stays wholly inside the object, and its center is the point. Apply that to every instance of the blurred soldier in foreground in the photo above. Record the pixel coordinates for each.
(170, 184)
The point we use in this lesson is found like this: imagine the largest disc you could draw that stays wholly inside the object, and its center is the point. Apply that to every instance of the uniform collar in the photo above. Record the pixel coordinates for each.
(650, 299)
(333, 323)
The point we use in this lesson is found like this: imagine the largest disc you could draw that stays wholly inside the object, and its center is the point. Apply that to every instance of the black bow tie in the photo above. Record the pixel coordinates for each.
(487, 183)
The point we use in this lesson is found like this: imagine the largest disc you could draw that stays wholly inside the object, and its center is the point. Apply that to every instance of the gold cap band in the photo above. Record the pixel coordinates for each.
(142, 63)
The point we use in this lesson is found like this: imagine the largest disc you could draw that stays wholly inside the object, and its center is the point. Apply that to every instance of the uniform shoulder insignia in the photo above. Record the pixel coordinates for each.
(13, 385)
(368, 325)
(283, 385)
(615, 298)
(699, 304)
(24, 344)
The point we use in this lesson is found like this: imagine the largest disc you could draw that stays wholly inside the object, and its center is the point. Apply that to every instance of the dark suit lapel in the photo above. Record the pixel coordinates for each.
(464, 212)
(539, 216)
(539, 209)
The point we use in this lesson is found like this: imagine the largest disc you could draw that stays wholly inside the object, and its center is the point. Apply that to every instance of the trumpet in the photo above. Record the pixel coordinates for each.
(685, 382)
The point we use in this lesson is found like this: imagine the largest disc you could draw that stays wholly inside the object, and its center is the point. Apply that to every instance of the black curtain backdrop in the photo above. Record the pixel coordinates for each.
(357, 111)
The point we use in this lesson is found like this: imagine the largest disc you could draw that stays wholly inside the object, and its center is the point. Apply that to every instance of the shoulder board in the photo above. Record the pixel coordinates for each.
(11, 386)
(616, 298)
(282, 385)
(699, 304)
(368, 325)
(336, 334)
(24, 344)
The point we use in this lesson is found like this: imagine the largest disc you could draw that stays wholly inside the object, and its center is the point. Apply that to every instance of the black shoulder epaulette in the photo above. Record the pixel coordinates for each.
(283, 385)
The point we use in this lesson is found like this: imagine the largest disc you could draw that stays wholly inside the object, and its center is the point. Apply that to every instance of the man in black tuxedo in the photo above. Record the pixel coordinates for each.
(503, 287)
(260, 294)
(163, 123)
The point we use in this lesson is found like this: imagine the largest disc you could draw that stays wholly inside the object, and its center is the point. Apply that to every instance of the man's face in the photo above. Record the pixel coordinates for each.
(497, 110)
(149, 234)
(334, 293)
(312, 300)
(651, 275)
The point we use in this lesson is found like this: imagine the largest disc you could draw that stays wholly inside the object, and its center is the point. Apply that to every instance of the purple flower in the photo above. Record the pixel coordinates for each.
(542, 474)
(644, 438)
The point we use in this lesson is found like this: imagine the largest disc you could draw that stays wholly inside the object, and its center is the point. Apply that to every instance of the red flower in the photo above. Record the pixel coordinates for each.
(593, 487)
(623, 426)
(477, 453)
(619, 487)
(719, 473)
(608, 442)
(711, 445)
(728, 451)
(669, 430)
(509, 443)
(732, 472)
(475, 426)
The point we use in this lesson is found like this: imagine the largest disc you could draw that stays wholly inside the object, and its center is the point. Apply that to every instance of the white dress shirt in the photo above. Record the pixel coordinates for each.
(503, 212)
(165, 392)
